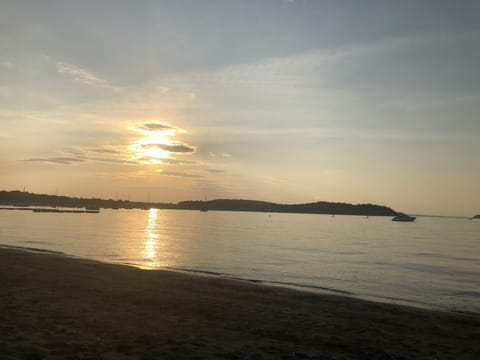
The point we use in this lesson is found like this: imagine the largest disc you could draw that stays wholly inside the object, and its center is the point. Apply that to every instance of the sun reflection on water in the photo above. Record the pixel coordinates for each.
(151, 240)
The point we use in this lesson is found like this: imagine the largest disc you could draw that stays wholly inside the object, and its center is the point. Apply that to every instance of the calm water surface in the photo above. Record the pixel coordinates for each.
(434, 262)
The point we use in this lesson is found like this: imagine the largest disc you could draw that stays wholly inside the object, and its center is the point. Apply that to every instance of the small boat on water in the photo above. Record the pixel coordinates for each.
(404, 218)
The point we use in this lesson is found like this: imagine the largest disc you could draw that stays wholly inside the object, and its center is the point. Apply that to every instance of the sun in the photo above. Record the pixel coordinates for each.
(149, 147)
(155, 143)
(155, 153)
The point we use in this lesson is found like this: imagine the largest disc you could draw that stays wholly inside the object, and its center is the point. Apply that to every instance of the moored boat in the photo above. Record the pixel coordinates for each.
(404, 218)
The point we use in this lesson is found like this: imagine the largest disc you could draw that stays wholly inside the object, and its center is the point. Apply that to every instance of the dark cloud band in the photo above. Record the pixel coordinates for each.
(57, 160)
(174, 148)
(155, 126)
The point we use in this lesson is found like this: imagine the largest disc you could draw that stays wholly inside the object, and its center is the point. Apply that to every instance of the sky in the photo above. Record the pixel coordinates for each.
(289, 101)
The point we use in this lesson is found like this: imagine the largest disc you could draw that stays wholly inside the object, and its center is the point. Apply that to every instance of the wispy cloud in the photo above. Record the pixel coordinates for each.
(215, 171)
(105, 154)
(87, 155)
(173, 148)
(155, 126)
(104, 151)
(177, 161)
(179, 174)
(108, 160)
(222, 154)
(57, 160)
(6, 64)
(81, 75)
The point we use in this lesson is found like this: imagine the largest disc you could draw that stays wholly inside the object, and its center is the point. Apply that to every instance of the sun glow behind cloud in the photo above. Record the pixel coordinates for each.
(145, 150)
(146, 146)
(158, 143)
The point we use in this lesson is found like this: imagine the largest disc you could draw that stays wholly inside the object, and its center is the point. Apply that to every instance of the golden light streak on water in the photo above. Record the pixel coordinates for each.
(151, 239)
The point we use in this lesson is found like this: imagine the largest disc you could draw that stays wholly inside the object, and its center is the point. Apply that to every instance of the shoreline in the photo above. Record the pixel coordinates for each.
(54, 307)
(310, 289)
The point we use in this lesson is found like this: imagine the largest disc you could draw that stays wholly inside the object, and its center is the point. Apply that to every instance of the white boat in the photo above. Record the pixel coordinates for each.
(404, 218)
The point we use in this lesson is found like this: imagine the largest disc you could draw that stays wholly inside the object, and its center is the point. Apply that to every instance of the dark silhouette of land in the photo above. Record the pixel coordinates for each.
(321, 207)
(24, 199)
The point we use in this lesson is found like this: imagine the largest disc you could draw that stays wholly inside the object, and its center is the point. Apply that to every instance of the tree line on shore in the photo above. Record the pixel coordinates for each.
(20, 198)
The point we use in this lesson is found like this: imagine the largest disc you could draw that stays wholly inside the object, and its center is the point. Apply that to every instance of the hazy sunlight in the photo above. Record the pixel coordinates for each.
(149, 148)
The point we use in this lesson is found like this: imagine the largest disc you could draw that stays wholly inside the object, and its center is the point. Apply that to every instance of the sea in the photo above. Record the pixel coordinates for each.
(432, 263)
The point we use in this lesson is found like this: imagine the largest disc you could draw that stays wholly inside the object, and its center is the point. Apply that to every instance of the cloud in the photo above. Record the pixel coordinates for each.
(177, 161)
(6, 64)
(108, 160)
(73, 152)
(57, 160)
(81, 75)
(104, 151)
(170, 161)
(102, 154)
(223, 154)
(173, 148)
(87, 155)
(179, 174)
(215, 171)
(155, 126)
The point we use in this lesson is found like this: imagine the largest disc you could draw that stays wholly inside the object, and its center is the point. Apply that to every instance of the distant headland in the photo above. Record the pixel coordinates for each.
(24, 199)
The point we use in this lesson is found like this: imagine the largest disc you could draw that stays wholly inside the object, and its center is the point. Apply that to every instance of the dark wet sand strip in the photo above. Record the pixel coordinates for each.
(55, 307)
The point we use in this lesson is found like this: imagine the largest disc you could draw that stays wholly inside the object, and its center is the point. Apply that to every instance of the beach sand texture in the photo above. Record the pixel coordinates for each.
(55, 307)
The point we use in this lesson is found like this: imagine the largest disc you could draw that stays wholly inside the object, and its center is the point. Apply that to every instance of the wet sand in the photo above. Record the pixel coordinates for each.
(55, 307)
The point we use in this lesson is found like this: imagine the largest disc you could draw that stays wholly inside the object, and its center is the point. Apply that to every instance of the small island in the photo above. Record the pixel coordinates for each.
(23, 200)
(476, 217)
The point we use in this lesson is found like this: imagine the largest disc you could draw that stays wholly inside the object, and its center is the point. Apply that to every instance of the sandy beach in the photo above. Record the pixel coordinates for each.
(56, 307)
